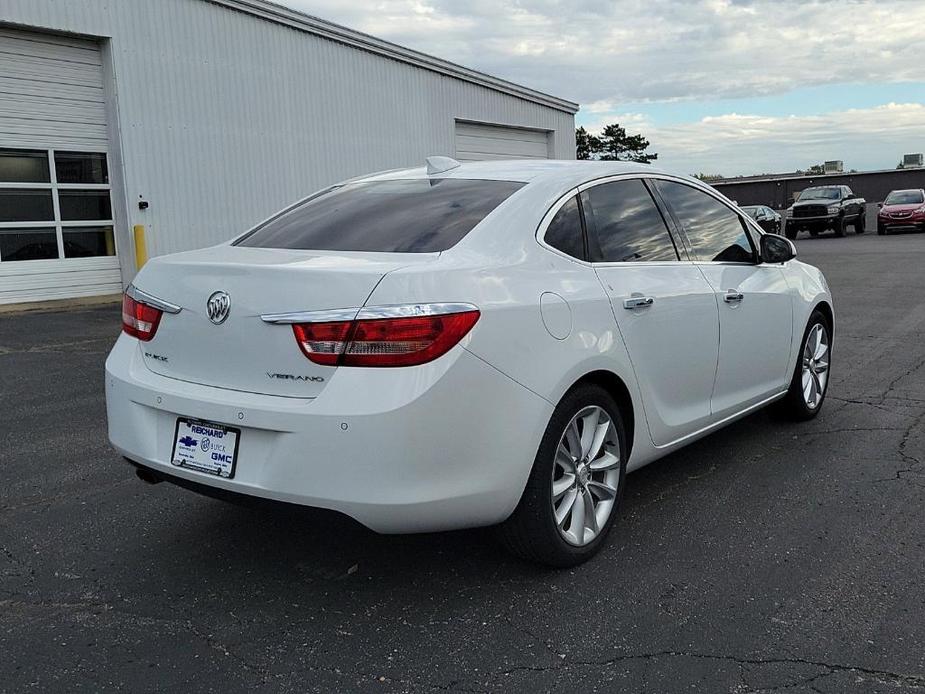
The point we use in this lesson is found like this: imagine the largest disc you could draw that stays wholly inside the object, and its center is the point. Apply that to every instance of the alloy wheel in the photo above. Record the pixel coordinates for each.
(586, 475)
(815, 366)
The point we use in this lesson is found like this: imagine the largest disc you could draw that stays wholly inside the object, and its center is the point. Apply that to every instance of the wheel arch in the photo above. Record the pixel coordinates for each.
(826, 308)
(618, 389)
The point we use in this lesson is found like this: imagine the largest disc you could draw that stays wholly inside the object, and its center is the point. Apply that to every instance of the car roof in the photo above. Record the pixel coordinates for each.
(564, 172)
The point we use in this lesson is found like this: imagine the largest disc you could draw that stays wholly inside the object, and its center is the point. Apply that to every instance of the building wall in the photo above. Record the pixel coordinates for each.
(779, 192)
(221, 118)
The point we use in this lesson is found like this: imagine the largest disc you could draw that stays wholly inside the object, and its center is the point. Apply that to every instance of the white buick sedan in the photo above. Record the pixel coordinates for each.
(466, 345)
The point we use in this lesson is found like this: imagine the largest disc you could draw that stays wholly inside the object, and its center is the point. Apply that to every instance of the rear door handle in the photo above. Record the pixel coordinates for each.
(638, 302)
(733, 297)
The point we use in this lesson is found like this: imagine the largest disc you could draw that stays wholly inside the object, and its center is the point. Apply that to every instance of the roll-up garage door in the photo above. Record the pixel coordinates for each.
(481, 141)
(56, 221)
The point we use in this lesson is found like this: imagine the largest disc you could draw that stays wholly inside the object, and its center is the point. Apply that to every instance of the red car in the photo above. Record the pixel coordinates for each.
(902, 209)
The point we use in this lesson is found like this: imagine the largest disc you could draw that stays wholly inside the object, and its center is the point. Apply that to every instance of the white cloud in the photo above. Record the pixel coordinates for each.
(640, 50)
(735, 144)
(606, 54)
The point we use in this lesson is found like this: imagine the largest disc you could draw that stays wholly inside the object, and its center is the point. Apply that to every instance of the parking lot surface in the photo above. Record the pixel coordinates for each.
(767, 557)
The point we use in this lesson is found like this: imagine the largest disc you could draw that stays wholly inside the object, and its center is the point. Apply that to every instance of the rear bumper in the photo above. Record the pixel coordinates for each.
(440, 446)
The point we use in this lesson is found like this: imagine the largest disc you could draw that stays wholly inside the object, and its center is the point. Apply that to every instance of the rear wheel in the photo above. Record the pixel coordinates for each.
(810, 379)
(576, 485)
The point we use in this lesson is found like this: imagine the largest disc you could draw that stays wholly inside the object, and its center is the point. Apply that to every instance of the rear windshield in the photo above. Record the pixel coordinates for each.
(905, 197)
(404, 216)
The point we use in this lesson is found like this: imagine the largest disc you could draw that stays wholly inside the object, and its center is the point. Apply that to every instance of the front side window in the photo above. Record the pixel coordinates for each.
(54, 205)
(624, 224)
(564, 231)
(716, 233)
(399, 216)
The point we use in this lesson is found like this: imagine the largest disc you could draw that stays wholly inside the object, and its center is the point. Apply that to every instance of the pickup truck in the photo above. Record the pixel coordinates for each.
(826, 207)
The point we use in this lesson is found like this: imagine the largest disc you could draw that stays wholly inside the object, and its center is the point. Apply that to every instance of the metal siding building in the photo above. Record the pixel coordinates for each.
(216, 113)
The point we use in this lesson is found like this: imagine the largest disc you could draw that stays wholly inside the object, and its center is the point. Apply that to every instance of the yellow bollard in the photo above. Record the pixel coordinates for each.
(141, 249)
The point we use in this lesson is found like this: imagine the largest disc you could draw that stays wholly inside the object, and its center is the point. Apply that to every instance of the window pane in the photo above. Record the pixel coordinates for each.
(625, 225)
(87, 242)
(403, 216)
(77, 167)
(22, 166)
(26, 206)
(714, 230)
(564, 230)
(79, 205)
(27, 244)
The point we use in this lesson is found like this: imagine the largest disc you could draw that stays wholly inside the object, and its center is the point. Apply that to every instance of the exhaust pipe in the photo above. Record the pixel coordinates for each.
(147, 476)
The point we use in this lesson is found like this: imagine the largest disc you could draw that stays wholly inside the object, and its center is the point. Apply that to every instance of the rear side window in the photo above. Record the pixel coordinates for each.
(403, 216)
(624, 225)
(564, 231)
(715, 231)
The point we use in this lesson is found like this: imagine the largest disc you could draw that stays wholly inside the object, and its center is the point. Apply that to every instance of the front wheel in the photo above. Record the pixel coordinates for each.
(840, 225)
(575, 487)
(881, 229)
(860, 226)
(810, 379)
(791, 233)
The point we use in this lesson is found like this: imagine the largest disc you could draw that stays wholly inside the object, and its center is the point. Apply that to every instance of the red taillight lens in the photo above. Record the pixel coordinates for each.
(323, 343)
(138, 319)
(404, 341)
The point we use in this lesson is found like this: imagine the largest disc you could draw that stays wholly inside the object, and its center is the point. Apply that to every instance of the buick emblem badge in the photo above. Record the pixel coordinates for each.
(218, 307)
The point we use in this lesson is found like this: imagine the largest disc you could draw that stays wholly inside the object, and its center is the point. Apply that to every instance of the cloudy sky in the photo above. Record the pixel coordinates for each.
(718, 86)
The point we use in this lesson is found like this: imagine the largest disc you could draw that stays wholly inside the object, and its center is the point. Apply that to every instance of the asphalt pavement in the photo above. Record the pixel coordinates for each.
(767, 557)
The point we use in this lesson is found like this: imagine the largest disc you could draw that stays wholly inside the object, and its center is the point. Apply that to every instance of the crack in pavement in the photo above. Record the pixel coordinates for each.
(916, 682)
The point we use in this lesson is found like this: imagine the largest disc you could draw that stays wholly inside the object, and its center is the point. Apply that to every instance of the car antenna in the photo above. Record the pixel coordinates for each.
(437, 165)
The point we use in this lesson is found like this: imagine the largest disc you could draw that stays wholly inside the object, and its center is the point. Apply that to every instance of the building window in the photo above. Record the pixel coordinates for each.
(54, 205)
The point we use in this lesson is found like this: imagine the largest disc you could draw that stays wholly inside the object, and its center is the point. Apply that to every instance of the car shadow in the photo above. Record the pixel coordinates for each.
(307, 547)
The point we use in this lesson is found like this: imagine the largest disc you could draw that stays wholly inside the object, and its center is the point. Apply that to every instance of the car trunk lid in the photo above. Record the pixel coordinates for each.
(244, 352)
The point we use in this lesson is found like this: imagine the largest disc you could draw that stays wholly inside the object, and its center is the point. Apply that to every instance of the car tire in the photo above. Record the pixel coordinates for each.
(534, 531)
(814, 233)
(860, 225)
(797, 404)
(791, 233)
(840, 226)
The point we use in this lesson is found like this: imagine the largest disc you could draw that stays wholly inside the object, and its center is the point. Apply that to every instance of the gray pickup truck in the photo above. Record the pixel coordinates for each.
(826, 207)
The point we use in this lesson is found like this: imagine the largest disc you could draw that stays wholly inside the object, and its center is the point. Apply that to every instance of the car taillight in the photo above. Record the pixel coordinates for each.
(403, 340)
(138, 319)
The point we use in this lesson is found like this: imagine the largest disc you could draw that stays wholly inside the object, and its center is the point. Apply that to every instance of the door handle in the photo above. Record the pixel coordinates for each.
(638, 302)
(733, 297)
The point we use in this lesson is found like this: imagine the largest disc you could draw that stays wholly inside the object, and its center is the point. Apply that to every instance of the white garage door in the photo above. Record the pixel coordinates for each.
(479, 141)
(56, 221)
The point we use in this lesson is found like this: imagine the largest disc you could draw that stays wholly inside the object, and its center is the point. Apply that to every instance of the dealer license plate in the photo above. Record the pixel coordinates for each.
(206, 447)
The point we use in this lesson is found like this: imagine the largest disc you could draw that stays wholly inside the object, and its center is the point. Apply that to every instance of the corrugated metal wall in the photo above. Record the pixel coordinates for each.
(224, 117)
(779, 193)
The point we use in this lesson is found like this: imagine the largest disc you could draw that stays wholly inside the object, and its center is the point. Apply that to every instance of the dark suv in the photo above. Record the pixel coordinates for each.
(826, 207)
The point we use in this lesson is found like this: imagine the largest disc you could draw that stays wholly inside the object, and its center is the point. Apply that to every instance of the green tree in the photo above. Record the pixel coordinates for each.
(586, 144)
(613, 144)
(708, 178)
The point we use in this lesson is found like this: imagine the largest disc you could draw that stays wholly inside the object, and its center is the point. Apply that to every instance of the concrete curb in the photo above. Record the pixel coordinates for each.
(60, 304)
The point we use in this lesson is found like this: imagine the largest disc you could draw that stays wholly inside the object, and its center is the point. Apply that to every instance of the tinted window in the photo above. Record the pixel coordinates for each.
(624, 224)
(715, 231)
(81, 167)
(404, 216)
(22, 166)
(564, 231)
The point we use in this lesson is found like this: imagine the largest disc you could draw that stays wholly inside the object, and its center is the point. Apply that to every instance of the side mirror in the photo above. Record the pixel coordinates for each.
(879, 205)
(776, 249)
